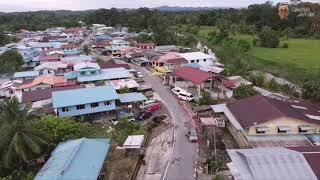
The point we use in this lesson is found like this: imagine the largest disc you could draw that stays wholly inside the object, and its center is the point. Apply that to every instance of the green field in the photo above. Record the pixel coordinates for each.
(297, 63)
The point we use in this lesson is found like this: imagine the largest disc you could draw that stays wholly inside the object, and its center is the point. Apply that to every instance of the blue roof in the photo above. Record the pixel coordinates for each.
(80, 159)
(26, 74)
(107, 74)
(83, 96)
(132, 97)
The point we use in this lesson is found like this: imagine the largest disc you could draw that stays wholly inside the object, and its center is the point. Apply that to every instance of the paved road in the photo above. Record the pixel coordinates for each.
(182, 162)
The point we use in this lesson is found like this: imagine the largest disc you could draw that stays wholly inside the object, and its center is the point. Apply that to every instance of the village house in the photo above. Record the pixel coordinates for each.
(42, 98)
(145, 45)
(52, 68)
(91, 73)
(72, 60)
(43, 46)
(49, 58)
(187, 77)
(8, 89)
(70, 49)
(43, 82)
(85, 101)
(262, 121)
(119, 43)
(168, 62)
(77, 159)
(271, 163)
(25, 75)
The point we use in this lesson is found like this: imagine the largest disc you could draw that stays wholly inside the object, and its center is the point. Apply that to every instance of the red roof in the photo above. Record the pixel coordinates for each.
(49, 58)
(146, 44)
(266, 109)
(69, 46)
(38, 95)
(192, 74)
(108, 65)
(312, 155)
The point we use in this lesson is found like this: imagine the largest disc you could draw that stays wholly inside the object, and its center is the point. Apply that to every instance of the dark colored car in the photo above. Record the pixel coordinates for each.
(144, 115)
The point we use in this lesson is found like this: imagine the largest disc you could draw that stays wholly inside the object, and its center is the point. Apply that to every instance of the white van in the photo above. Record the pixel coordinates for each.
(182, 94)
(185, 96)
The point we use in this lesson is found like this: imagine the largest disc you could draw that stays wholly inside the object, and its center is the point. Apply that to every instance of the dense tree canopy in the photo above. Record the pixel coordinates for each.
(10, 61)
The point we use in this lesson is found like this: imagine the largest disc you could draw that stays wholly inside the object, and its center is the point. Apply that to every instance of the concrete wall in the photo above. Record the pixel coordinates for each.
(73, 111)
(274, 124)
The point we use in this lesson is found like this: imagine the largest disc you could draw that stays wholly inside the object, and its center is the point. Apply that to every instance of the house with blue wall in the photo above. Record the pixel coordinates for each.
(71, 49)
(81, 159)
(91, 73)
(85, 101)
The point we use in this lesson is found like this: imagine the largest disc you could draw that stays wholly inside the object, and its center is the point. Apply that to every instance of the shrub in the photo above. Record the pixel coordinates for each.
(254, 41)
(244, 92)
(285, 45)
(206, 99)
(257, 79)
(244, 45)
(273, 85)
(269, 38)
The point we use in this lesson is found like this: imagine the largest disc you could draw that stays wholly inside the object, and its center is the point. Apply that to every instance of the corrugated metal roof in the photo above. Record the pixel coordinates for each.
(76, 159)
(86, 65)
(195, 55)
(83, 96)
(26, 74)
(192, 74)
(107, 74)
(269, 163)
(77, 58)
(132, 97)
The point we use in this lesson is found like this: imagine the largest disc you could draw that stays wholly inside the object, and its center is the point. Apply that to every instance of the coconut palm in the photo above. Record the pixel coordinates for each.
(19, 142)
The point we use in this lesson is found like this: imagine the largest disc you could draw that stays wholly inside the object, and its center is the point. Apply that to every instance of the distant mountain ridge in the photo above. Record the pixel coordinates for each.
(160, 8)
(180, 8)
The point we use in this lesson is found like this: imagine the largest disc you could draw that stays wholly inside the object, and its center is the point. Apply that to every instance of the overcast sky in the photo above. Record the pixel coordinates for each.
(31, 5)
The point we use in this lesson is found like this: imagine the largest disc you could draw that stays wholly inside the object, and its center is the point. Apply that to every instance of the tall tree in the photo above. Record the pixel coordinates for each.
(10, 61)
(19, 142)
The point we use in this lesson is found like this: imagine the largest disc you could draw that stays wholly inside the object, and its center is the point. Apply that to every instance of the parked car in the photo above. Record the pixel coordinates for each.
(186, 96)
(192, 135)
(177, 90)
(182, 94)
(144, 115)
(153, 107)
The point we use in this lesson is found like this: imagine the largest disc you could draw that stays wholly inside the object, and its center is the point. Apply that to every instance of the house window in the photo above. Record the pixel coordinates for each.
(204, 60)
(65, 109)
(107, 103)
(192, 61)
(82, 106)
(83, 73)
(281, 131)
(93, 72)
(198, 60)
(260, 132)
(94, 105)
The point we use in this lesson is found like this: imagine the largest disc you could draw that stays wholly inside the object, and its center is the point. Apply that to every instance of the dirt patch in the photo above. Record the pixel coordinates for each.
(120, 166)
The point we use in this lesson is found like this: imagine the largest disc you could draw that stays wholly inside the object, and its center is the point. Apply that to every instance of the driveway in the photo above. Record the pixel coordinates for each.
(182, 162)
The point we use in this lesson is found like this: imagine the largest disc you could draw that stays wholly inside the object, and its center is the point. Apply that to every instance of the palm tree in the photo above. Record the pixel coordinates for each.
(19, 142)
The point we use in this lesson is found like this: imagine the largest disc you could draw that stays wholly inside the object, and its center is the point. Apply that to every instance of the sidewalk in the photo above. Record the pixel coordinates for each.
(157, 154)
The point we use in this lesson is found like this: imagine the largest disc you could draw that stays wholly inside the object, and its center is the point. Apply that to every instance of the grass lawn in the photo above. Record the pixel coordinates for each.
(298, 62)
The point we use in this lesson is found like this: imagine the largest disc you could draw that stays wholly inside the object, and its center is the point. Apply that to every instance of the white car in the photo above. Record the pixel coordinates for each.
(182, 94)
